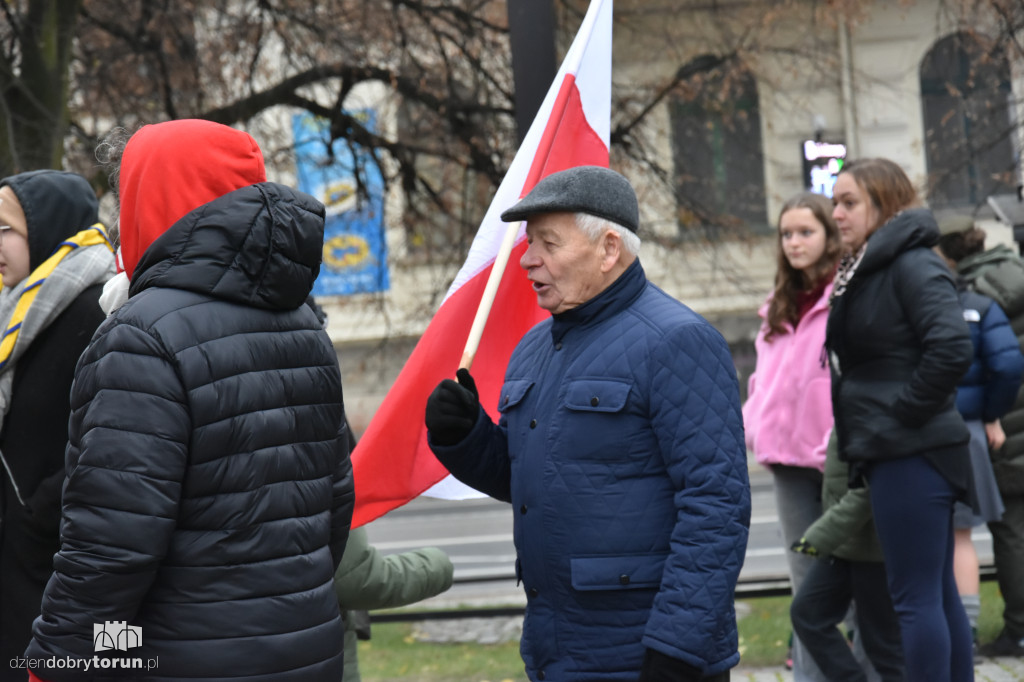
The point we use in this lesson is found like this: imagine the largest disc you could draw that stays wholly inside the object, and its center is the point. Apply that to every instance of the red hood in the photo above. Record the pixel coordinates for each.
(169, 169)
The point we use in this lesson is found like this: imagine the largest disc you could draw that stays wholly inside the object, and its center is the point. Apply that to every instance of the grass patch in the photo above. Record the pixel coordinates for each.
(764, 632)
(394, 656)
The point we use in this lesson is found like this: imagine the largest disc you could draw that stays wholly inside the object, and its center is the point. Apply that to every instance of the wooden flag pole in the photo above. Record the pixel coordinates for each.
(483, 311)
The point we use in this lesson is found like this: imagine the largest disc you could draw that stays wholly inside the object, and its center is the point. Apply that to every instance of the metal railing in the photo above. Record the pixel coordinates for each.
(750, 588)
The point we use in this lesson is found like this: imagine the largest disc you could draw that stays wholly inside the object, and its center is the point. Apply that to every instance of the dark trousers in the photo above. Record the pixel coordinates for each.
(821, 604)
(913, 507)
(1008, 552)
(26, 562)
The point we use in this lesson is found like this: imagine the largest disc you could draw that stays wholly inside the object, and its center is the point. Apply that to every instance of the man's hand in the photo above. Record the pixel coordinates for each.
(452, 409)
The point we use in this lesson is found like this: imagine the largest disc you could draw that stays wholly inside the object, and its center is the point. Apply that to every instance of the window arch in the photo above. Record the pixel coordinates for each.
(717, 151)
(965, 99)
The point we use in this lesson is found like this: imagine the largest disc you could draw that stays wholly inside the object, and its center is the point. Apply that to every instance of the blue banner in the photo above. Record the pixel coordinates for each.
(355, 259)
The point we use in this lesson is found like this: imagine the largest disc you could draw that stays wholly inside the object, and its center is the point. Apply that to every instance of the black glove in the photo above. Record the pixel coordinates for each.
(452, 409)
(658, 667)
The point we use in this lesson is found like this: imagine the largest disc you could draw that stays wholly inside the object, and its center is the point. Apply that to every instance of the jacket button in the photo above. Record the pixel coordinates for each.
(594, 401)
(533, 423)
(541, 675)
(522, 510)
(532, 592)
(623, 579)
(505, 402)
(558, 346)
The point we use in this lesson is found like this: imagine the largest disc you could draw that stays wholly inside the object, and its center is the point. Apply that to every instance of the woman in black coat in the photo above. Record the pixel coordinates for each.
(49, 307)
(898, 346)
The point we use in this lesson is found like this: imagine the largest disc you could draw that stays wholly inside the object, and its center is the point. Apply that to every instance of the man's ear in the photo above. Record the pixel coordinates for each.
(611, 246)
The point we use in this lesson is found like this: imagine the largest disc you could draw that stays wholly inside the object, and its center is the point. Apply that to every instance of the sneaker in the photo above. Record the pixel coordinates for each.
(1003, 645)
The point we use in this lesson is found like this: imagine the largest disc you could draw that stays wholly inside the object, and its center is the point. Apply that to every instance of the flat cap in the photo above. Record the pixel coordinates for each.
(595, 190)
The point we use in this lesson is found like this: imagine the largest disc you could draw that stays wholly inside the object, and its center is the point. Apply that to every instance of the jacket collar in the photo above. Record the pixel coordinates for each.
(618, 296)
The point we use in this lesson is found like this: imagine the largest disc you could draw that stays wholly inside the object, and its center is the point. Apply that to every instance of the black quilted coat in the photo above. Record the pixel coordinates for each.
(898, 346)
(209, 490)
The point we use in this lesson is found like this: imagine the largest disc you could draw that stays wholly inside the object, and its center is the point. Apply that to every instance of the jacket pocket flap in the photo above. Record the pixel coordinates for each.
(627, 572)
(597, 395)
(513, 392)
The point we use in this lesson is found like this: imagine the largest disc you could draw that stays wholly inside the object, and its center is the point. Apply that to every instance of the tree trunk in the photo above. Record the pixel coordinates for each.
(34, 88)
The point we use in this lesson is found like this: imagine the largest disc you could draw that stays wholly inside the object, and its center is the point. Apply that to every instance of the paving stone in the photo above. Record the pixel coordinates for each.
(1004, 669)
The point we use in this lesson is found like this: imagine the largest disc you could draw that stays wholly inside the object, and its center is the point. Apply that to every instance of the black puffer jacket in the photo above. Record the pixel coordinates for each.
(209, 490)
(898, 346)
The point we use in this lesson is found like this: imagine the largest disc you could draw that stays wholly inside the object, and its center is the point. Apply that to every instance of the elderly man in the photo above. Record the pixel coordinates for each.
(620, 447)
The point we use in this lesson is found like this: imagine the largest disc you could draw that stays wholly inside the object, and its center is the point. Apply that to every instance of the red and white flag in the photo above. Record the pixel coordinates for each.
(392, 462)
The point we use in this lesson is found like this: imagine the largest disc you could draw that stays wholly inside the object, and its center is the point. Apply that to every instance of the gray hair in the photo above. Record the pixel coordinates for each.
(109, 153)
(594, 227)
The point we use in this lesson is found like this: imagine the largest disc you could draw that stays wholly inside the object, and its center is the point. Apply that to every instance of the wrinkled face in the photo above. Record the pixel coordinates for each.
(14, 258)
(802, 237)
(561, 261)
(854, 213)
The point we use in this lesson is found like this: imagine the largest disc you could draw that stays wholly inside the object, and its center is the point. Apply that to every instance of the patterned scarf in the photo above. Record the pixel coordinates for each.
(847, 268)
(28, 308)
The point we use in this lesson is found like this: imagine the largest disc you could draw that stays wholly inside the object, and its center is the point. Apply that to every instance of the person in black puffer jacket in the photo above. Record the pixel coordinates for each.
(898, 346)
(209, 492)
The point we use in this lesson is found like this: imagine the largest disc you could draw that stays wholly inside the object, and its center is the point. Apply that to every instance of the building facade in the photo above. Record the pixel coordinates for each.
(746, 87)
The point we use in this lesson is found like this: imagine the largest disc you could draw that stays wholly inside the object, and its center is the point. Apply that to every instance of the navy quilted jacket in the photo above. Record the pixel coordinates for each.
(989, 388)
(620, 447)
(209, 492)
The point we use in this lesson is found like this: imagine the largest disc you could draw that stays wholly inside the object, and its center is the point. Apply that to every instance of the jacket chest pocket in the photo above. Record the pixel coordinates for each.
(512, 393)
(596, 422)
(511, 406)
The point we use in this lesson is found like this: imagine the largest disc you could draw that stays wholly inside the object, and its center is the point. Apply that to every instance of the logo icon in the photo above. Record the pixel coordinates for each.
(116, 634)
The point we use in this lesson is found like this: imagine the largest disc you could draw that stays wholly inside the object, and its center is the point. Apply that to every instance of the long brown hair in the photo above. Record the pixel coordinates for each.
(885, 183)
(789, 281)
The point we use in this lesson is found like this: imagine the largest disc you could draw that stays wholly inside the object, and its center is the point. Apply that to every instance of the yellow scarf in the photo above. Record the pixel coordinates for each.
(92, 236)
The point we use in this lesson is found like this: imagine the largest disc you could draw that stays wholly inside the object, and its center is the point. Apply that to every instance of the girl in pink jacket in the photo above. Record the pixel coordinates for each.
(788, 413)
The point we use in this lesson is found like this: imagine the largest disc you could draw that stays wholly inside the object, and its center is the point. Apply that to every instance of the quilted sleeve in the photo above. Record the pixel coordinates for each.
(343, 494)
(1004, 364)
(128, 444)
(696, 419)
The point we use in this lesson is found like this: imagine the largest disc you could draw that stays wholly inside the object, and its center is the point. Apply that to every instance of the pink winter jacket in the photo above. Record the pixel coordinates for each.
(788, 413)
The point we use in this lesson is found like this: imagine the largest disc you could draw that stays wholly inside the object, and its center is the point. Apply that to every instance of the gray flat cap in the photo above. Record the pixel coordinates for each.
(595, 190)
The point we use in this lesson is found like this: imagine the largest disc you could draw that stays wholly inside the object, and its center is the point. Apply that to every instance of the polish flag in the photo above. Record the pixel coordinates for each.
(392, 462)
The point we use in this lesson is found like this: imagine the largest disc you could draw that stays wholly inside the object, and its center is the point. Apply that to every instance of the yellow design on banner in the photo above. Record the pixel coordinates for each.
(92, 236)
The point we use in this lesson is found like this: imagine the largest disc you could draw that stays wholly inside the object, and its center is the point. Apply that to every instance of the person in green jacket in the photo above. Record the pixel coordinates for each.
(998, 273)
(366, 579)
(850, 570)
